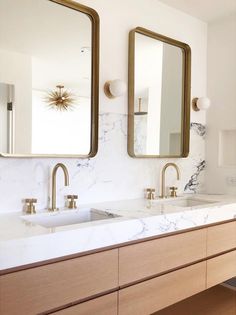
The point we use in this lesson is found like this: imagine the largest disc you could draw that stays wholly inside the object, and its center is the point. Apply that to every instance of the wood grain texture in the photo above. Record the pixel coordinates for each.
(155, 294)
(221, 238)
(40, 289)
(221, 268)
(105, 305)
(149, 258)
(215, 301)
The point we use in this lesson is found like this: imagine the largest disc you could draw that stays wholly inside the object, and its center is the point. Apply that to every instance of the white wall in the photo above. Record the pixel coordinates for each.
(172, 98)
(148, 87)
(222, 92)
(112, 174)
(55, 132)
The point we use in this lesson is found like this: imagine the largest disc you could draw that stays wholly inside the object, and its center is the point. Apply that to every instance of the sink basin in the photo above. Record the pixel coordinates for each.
(190, 202)
(68, 217)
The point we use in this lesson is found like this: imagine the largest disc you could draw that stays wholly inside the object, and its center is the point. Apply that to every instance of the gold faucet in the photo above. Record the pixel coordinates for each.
(66, 177)
(163, 173)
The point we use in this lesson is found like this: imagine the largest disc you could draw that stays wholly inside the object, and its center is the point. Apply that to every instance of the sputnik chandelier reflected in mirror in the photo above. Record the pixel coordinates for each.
(60, 99)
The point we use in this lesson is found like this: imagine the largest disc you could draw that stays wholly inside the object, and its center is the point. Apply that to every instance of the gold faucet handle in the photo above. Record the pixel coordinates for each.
(173, 191)
(150, 193)
(72, 201)
(30, 205)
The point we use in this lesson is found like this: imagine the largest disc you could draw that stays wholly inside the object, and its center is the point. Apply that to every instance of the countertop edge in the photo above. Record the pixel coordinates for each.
(110, 247)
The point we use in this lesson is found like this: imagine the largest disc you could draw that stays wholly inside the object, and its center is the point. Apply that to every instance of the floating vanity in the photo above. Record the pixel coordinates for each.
(126, 256)
(131, 257)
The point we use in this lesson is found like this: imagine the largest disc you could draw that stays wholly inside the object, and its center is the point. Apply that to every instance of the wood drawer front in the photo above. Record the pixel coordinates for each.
(221, 268)
(150, 296)
(105, 305)
(152, 257)
(43, 288)
(221, 238)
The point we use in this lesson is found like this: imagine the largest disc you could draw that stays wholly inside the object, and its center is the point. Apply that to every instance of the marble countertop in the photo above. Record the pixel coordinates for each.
(23, 242)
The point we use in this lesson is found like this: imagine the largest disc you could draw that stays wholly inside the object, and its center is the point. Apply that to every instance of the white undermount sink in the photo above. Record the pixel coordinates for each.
(190, 202)
(68, 217)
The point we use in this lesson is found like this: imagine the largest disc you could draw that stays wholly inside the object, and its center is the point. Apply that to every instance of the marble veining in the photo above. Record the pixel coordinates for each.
(198, 128)
(26, 243)
(110, 175)
(193, 183)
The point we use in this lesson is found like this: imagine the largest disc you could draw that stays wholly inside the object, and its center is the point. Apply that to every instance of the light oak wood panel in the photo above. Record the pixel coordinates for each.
(43, 288)
(215, 301)
(155, 294)
(105, 305)
(152, 257)
(221, 268)
(221, 238)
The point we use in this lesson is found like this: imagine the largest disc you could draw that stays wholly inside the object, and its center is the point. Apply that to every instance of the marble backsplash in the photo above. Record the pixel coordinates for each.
(111, 175)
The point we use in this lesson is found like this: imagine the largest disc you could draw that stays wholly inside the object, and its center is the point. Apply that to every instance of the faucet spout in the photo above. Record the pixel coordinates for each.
(66, 183)
(163, 173)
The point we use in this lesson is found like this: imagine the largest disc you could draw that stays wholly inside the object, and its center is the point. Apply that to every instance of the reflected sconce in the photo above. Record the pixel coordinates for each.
(115, 88)
(201, 103)
(140, 112)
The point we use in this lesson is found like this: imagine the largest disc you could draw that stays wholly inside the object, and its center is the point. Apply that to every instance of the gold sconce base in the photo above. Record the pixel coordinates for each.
(194, 104)
(107, 90)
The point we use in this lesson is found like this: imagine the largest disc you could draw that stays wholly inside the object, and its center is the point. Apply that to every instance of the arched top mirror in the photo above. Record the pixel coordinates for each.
(49, 78)
(159, 95)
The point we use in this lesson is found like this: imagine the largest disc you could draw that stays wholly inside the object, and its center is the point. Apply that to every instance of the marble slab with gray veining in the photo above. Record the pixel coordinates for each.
(22, 242)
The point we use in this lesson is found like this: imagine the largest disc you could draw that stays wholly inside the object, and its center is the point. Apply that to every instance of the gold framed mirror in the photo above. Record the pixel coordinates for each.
(49, 79)
(159, 96)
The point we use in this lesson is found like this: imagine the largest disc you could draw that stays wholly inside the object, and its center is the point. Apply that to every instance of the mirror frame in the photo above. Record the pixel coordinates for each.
(186, 92)
(95, 28)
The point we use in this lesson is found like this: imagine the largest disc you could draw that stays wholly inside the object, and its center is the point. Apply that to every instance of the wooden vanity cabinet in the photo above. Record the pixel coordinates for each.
(221, 238)
(138, 279)
(104, 305)
(153, 257)
(44, 288)
(175, 267)
(221, 268)
(152, 295)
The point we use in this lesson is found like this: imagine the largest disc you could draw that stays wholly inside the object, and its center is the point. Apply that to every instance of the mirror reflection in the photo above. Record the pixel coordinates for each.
(158, 103)
(46, 105)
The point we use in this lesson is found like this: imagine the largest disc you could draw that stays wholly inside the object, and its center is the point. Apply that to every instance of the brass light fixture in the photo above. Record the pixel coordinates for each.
(60, 99)
(201, 103)
(140, 112)
(115, 88)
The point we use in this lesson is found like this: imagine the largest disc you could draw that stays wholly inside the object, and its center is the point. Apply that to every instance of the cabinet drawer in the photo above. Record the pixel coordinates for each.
(221, 238)
(221, 268)
(105, 305)
(43, 288)
(152, 257)
(155, 294)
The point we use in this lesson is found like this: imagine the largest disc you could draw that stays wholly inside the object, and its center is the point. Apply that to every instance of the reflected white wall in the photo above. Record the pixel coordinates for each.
(57, 132)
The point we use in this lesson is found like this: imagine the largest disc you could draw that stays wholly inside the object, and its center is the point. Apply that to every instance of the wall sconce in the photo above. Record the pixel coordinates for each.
(115, 88)
(201, 103)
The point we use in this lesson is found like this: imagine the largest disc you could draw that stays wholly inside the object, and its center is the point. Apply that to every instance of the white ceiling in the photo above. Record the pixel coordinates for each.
(206, 10)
